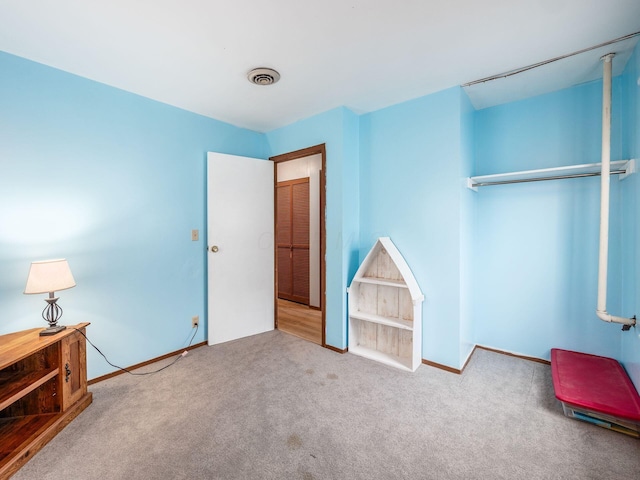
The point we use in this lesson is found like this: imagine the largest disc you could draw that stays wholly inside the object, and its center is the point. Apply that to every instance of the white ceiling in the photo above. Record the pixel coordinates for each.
(362, 54)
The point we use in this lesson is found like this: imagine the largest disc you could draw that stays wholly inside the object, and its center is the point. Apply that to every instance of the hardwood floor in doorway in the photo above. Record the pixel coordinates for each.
(300, 320)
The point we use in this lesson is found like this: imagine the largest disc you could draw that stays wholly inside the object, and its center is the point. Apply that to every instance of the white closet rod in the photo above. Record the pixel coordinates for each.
(620, 167)
(542, 179)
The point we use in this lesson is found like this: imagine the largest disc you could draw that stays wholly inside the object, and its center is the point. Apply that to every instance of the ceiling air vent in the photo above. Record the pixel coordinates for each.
(263, 76)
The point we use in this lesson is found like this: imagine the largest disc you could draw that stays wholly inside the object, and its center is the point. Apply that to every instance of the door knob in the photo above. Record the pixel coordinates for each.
(214, 249)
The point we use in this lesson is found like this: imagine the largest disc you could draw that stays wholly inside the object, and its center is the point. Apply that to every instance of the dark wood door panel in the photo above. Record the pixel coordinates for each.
(292, 239)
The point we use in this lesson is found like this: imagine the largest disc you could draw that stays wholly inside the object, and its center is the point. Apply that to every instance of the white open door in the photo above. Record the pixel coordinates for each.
(240, 246)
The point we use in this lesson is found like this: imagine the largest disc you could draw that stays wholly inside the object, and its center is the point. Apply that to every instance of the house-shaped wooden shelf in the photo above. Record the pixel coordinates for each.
(385, 309)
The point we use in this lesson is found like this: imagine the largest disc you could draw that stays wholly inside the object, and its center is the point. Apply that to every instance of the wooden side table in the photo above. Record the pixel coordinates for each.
(43, 386)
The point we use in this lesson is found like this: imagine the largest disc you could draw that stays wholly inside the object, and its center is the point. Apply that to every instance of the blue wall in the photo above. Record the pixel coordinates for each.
(113, 182)
(631, 215)
(410, 183)
(536, 248)
(338, 129)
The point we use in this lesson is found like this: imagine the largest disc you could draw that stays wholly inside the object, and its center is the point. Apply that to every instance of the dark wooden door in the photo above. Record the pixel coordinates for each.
(292, 239)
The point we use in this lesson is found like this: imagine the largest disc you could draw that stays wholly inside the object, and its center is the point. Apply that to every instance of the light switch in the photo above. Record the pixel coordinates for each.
(194, 235)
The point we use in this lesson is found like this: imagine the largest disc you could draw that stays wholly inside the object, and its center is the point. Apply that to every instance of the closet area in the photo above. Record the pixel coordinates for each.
(546, 168)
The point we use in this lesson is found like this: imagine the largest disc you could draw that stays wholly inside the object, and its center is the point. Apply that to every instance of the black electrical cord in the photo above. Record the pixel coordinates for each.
(139, 373)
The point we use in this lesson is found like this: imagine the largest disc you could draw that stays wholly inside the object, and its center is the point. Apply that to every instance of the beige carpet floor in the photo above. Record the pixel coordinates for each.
(273, 406)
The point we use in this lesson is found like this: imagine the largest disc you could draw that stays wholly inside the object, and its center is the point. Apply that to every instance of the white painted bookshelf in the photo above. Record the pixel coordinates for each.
(385, 309)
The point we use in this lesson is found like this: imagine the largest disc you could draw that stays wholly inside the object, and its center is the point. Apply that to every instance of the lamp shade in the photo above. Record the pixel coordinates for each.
(49, 276)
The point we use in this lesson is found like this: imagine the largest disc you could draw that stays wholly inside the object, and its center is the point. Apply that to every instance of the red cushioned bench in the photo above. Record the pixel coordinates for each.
(597, 390)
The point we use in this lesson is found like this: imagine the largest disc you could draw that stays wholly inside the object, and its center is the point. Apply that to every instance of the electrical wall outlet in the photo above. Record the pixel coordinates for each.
(195, 321)
(195, 235)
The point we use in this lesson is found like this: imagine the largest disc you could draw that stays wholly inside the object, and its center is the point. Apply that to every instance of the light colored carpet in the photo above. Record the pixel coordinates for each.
(273, 406)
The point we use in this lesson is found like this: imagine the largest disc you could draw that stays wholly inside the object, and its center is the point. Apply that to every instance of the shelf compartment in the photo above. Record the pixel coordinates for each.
(382, 341)
(16, 432)
(28, 434)
(381, 300)
(15, 385)
(385, 358)
(388, 321)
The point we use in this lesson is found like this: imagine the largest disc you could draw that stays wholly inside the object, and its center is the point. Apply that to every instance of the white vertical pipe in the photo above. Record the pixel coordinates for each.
(605, 174)
(604, 198)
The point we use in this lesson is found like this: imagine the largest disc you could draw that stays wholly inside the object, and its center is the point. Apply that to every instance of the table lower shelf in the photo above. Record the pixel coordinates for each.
(23, 437)
(16, 431)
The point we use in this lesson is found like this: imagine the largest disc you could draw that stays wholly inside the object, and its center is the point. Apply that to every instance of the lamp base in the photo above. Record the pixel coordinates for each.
(52, 330)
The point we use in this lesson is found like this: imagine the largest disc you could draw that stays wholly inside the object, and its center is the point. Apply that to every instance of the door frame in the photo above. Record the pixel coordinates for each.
(285, 157)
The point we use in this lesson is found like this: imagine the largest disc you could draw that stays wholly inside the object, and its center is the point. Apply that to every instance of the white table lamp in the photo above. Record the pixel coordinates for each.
(49, 276)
